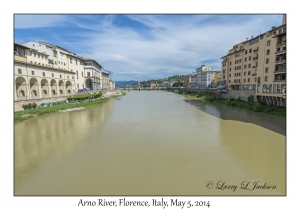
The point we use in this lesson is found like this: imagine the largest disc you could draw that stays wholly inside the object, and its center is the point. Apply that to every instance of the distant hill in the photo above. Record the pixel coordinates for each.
(124, 83)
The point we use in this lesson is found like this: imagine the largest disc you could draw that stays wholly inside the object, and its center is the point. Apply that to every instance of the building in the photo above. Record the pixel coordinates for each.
(36, 80)
(187, 81)
(205, 77)
(217, 78)
(105, 80)
(93, 74)
(258, 65)
(61, 58)
(194, 80)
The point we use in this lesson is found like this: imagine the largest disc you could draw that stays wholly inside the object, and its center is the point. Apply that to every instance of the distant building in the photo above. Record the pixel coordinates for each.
(93, 74)
(187, 81)
(194, 80)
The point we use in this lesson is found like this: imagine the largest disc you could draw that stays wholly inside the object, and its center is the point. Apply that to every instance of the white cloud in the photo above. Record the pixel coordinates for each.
(177, 44)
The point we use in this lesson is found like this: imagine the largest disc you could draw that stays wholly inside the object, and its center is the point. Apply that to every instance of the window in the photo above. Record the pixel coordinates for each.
(246, 52)
(280, 31)
(254, 87)
(245, 66)
(32, 72)
(268, 42)
(249, 72)
(76, 62)
(42, 57)
(52, 75)
(82, 85)
(19, 71)
(258, 88)
(229, 75)
(34, 54)
(44, 74)
(70, 60)
(275, 89)
(38, 55)
(250, 50)
(60, 76)
(230, 63)
(244, 73)
(60, 91)
(261, 37)
(267, 70)
(250, 58)
(245, 59)
(270, 88)
(45, 92)
(229, 69)
(72, 77)
(249, 65)
(268, 52)
(266, 78)
(82, 73)
(58, 62)
(77, 86)
(88, 74)
(278, 88)
(248, 79)
(267, 60)
(68, 76)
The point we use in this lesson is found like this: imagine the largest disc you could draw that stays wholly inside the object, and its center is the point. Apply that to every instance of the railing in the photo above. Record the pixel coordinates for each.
(255, 58)
(255, 51)
(280, 61)
(254, 74)
(279, 80)
(281, 42)
(254, 67)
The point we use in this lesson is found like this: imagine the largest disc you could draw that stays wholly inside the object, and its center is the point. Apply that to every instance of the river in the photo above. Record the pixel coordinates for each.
(151, 143)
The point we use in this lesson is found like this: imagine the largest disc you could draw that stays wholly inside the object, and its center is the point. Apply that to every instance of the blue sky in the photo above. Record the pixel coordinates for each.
(141, 47)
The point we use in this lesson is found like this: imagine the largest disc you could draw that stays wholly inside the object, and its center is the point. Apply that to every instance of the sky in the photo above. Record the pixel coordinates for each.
(142, 47)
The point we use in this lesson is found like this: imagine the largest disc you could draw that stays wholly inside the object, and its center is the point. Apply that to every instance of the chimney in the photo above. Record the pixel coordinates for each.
(283, 19)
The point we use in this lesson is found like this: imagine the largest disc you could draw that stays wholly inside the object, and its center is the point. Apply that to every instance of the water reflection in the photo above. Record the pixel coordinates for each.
(222, 111)
(54, 137)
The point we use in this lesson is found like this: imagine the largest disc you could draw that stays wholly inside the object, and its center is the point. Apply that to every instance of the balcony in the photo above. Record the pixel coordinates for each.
(281, 42)
(279, 80)
(255, 58)
(280, 51)
(254, 67)
(283, 60)
(20, 58)
(254, 74)
(255, 51)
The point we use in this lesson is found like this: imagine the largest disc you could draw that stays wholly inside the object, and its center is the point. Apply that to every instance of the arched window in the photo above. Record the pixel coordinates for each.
(21, 93)
(69, 91)
(34, 93)
(45, 92)
(60, 91)
(53, 92)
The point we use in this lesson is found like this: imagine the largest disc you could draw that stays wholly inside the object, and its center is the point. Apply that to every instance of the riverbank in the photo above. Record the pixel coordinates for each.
(28, 113)
(250, 104)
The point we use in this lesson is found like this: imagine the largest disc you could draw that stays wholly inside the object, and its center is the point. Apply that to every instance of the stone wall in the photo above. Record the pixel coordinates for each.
(243, 94)
(18, 104)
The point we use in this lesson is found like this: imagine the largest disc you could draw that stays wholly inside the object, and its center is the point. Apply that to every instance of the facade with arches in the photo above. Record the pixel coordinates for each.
(35, 79)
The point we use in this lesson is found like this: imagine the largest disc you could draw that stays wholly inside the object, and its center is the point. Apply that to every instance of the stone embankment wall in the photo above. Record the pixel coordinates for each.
(243, 94)
(18, 104)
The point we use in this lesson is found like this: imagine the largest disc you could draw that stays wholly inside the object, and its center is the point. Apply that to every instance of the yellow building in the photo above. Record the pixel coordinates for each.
(259, 66)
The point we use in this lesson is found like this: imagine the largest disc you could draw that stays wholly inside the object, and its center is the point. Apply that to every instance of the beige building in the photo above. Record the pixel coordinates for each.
(217, 78)
(34, 79)
(105, 80)
(93, 74)
(259, 64)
